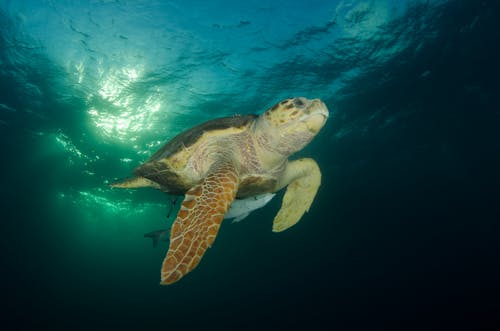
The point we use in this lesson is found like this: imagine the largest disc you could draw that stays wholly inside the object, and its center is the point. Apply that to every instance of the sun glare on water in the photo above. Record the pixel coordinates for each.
(121, 110)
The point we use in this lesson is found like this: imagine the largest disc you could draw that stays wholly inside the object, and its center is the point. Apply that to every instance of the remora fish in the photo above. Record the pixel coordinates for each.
(240, 208)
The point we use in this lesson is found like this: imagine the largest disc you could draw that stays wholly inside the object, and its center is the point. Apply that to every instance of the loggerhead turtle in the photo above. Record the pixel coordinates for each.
(229, 157)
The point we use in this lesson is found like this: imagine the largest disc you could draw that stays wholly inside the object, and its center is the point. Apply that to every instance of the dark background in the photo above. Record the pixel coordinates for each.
(404, 232)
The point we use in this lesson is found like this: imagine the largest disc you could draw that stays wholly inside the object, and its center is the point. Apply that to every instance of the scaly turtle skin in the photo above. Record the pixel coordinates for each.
(240, 156)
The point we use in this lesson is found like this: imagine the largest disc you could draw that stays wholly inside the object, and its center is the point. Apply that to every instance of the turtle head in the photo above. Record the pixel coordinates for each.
(291, 124)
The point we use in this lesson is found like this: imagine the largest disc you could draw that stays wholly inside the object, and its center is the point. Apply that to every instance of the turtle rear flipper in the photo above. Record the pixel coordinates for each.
(135, 182)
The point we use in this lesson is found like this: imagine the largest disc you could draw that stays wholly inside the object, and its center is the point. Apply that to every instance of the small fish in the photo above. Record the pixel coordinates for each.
(158, 235)
(240, 209)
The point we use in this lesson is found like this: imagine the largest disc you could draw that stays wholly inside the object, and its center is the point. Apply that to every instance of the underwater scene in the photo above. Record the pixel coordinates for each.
(323, 164)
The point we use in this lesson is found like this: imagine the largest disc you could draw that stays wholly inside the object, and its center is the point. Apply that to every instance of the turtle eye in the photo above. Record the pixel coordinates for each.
(298, 103)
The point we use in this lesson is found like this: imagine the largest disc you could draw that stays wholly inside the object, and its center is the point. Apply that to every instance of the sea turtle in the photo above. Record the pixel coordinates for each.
(227, 158)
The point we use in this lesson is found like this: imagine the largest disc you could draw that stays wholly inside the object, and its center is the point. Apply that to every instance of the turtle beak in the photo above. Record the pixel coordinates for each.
(320, 107)
(317, 115)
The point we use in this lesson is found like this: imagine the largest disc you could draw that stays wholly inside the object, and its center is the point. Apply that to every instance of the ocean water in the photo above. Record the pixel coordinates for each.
(403, 233)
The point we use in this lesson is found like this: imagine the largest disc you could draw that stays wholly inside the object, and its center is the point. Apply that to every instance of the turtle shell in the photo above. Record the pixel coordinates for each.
(190, 136)
(158, 171)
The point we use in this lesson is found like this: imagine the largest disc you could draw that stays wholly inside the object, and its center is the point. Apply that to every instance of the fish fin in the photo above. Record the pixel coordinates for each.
(240, 218)
(155, 235)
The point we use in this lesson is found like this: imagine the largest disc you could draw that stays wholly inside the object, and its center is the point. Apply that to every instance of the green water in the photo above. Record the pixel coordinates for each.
(403, 232)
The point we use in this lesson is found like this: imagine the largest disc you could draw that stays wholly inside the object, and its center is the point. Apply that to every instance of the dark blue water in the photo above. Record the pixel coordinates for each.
(403, 232)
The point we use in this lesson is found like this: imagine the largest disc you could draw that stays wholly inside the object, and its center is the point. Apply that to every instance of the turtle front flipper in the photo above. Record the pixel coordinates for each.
(198, 221)
(303, 178)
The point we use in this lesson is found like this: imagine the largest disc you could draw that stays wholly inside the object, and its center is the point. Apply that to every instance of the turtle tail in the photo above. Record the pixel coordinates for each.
(135, 182)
